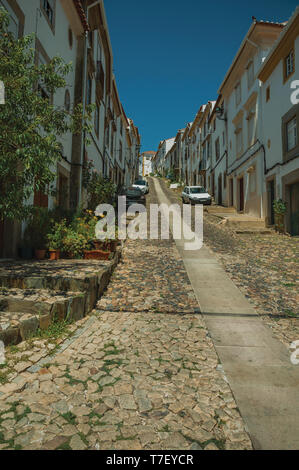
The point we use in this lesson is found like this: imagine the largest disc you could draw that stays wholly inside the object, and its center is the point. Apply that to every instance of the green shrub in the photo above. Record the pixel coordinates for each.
(280, 207)
(100, 190)
(56, 236)
(74, 243)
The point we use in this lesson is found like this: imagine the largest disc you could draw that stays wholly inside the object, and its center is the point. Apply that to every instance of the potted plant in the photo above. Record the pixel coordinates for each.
(40, 226)
(112, 243)
(74, 244)
(280, 209)
(55, 239)
(100, 255)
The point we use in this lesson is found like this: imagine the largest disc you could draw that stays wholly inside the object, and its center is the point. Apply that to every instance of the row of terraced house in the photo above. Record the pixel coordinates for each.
(77, 30)
(243, 146)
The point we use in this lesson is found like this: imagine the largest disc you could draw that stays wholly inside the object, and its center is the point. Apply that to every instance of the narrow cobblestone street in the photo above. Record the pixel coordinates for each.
(263, 267)
(149, 229)
(141, 374)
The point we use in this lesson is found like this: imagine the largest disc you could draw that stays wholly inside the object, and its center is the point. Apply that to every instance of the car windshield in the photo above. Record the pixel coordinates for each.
(140, 183)
(133, 192)
(198, 190)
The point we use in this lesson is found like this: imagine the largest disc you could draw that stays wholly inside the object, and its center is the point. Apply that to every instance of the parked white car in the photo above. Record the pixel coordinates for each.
(196, 195)
(142, 185)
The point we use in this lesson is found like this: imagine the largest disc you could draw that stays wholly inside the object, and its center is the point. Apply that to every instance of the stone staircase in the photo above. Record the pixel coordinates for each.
(214, 209)
(33, 295)
(238, 222)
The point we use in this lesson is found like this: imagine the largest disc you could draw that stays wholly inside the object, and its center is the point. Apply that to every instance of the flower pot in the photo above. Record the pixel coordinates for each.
(98, 244)
(113, 245)
(279, 223)
(97, 255)
(40, 254)
(54, 255)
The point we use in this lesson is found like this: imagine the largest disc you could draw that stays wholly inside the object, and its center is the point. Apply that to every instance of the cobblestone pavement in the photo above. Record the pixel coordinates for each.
(140, 373)
(265, 268)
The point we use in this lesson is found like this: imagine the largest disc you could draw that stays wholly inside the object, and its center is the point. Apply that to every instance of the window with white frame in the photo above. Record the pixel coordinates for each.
(97, 119)
(251, 125)
(217, 149)
(89, 90)
(289, 65)
(99, 50)
(250, 74)
(49, 10)
(238, 93)
(41, 87)
(107, 135)
(209, 149)
(120, 151)
(204, 156)
(239, 140)
(292, 134)
(112, 143)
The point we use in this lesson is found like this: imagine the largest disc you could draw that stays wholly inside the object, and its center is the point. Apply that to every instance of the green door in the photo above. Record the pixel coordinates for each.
(294, 209)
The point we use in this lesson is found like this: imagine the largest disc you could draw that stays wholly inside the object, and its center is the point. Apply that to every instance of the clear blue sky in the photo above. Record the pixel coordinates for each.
(170, 56)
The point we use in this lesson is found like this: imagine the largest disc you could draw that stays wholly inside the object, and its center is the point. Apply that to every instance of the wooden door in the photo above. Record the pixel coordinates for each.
(294, 208)
(220, 190)
(241, 194)
(231, 191)
(271, 197)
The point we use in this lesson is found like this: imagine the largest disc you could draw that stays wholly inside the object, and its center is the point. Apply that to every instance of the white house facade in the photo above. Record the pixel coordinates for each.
(78, 32)
(280, 111)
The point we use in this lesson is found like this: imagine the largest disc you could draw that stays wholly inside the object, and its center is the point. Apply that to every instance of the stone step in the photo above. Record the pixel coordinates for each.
(16, 327)
(41, 307)
(20, 317)
(220, 209)
(34, 295)
(245, 223)
(73, 275)
(252, 231)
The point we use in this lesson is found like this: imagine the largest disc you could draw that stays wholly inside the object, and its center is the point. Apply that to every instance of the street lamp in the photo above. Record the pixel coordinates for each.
(220, 112)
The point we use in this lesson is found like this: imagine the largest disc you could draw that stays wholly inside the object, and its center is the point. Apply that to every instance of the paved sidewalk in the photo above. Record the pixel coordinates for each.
(258, 367)
(142, 373)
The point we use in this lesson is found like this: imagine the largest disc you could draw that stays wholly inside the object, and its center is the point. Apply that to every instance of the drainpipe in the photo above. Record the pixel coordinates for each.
(84, 99)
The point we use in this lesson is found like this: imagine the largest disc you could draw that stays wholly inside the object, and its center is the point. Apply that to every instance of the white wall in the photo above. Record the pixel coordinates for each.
(272, 112)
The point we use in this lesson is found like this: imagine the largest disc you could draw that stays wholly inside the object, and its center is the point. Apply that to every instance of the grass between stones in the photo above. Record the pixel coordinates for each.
(64, 446)
(17, 417)
(5, 371)
(219, 443)
(109, 350)
(54, 331)
(69, 417)
(58, 330)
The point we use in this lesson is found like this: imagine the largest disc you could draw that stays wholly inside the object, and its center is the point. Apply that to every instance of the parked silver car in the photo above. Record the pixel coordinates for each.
(142, 185)
(196, 195)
